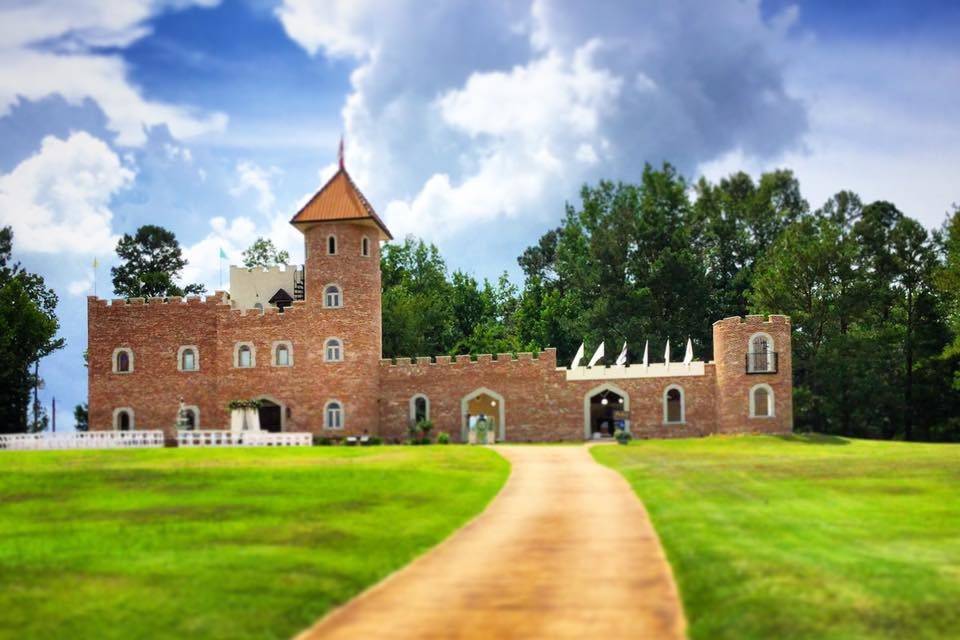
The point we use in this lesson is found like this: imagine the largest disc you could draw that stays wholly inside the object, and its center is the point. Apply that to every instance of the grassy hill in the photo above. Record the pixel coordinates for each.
(805, 537)
(245, 543)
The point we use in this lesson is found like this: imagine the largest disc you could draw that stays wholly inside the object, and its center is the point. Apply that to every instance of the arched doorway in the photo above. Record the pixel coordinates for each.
(271, 416)
(483, 405)
(605, 408)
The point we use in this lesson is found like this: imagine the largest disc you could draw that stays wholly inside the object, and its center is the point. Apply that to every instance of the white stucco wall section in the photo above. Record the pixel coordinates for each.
(619, 372)
(250, 286)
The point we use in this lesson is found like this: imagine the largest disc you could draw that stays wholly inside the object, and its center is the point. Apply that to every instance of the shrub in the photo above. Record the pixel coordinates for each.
(374, 440)
(443, 438)
(321, 441)
(623, 436)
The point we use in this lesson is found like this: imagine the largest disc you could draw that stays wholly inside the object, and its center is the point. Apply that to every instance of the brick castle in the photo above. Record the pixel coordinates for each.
(306, 343)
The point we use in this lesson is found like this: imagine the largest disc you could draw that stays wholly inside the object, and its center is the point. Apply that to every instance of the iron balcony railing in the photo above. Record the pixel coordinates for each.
(762, 362)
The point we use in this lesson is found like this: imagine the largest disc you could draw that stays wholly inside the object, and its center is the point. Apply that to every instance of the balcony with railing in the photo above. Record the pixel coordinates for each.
(762, 362)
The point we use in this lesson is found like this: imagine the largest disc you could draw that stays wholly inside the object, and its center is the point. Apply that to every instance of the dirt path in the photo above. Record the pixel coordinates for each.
(566, 550)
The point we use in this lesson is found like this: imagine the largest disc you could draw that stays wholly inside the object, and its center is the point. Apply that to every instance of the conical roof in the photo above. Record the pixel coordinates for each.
(339, 200)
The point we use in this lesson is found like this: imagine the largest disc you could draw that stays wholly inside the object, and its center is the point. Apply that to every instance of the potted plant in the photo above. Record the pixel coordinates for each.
(623, 436)
(424, 427)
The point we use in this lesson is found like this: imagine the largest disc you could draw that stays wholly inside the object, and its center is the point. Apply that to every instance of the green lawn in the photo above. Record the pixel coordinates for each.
(246, 543)
(805, 537)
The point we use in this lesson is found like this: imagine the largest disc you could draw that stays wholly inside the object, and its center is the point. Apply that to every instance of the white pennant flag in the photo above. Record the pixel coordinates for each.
(666, 353)
(596, 355)
(646, 353)
(688, 356)
(622, 358)
(577, 358)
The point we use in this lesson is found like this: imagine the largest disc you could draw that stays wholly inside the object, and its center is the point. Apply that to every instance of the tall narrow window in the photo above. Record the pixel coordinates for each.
(761, 401)
(333, 351)
(122, 360)
(420, 409)
(333, 416)
(673, 406)
(245, 356)
(760, 355)
(332, 245)
(283, 356)
(188, 360)
(331, 296)
(190, 416)
(365, 247)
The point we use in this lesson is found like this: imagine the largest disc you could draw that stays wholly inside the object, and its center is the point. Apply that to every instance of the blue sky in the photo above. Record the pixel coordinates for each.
(467, 123)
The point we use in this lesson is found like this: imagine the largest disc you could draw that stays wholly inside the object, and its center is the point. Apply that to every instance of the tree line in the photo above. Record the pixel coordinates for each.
(874, 297)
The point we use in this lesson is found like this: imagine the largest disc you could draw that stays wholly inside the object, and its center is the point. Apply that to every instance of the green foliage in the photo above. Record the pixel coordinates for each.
(81, 417)
(263, 253)
(856, 536)
(152, 261)
(28, 329)
(244, 404)
(94, 541)
(443, 438)
(623, 436)
(874, 299)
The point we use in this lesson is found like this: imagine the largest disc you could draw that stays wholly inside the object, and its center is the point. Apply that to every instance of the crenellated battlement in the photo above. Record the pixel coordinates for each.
(219, 298)
(547, 357)
(754, 320)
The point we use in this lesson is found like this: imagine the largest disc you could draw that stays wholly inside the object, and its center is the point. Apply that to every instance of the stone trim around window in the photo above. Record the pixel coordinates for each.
(116, 418)
(236, 355)
(114, 365)
(683, 405)
(771, 402)
(196, 358)
(340, 348)
(273, 353)
(329, 419)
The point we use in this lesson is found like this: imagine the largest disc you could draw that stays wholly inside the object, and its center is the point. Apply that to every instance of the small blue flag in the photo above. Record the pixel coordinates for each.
(223, 256)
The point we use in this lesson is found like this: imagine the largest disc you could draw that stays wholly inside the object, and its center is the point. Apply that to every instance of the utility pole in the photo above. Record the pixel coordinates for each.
(54, 410)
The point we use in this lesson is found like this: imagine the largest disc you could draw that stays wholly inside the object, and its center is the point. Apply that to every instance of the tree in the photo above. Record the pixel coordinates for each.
(263, 253)
(152, 261)
(81, 417)
(28, 329)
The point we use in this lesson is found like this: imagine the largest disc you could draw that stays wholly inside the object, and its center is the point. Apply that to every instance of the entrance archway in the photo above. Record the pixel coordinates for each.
(271, 416)
(483, 404)
(604, 408)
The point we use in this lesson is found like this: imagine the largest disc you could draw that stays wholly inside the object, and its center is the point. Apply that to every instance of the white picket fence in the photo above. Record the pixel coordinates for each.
(242, 439)
(81, 440)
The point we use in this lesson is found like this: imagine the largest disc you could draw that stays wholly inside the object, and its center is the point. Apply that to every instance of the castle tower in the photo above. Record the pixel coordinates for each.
(342, 235)
(754, 374)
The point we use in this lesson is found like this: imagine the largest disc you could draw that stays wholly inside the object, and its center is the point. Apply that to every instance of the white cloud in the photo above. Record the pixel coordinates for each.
(256, 179)
(505, 119)
(47, 49)
(58, 200)
(80, 287)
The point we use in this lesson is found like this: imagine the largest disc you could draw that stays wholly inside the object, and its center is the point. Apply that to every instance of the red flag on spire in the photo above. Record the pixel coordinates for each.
(340, 154)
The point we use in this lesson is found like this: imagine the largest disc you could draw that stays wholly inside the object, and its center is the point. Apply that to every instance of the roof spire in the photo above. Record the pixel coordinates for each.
(340, 153)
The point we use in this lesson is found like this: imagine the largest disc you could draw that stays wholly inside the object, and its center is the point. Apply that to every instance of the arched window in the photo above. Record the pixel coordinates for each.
(122, 360)
(761, 401)
(365, 247)
(244, 355)
(259, 307)
(331, 296)
(187, 360)
(674, 411)
(123, 419)
(333, 350)
(760, 355)
(282, 355)
(332, 245)
(333, 415)
(419, 408)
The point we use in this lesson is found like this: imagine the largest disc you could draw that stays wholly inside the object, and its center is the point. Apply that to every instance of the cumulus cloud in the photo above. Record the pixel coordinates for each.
(50, 48)
(58, 200)
(453, 124)
(252, 178)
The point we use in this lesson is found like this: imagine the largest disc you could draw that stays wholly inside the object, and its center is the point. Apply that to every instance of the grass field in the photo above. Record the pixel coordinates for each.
(813, 537)
(252, 543)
